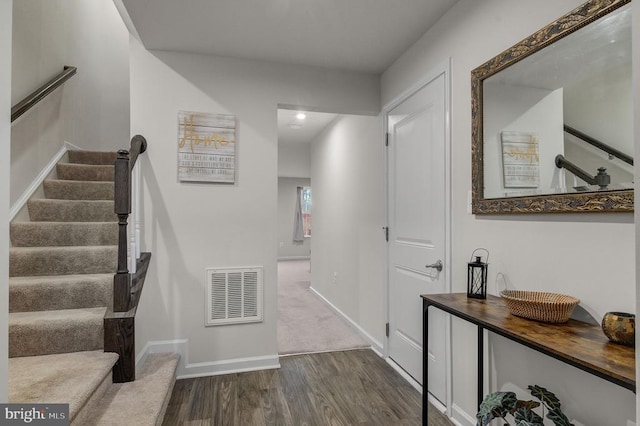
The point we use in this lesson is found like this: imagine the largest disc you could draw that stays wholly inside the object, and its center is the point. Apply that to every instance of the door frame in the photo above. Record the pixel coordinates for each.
(441, 69)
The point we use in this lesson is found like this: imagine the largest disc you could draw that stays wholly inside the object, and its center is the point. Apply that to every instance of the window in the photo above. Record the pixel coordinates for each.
(305, 202)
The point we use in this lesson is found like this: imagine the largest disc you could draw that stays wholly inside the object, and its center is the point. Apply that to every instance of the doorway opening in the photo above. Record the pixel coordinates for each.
(309, 317)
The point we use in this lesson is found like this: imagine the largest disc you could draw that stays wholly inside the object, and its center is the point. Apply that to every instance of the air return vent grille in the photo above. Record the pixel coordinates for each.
(234, 295)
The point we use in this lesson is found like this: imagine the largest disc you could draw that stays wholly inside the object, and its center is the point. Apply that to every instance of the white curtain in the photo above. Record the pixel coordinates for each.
(298, 232)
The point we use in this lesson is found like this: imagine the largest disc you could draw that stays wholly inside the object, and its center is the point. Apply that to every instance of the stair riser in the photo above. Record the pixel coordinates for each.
(78, 190)
(71, 211)
(68, 171)
(39, 262)
(49, 296)
(35, 234)
(55, 338)
(92, 157)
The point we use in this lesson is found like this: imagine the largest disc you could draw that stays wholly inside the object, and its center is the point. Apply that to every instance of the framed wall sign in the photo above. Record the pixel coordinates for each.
(206, 147)
(520, 160)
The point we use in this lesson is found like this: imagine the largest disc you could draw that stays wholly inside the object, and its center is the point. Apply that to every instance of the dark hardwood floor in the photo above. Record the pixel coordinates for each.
(335, 388)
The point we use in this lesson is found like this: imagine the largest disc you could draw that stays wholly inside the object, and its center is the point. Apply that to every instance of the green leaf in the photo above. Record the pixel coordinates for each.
(527, 404)
(494, 405)
(558, 418)
(549, 399)
(525, 417)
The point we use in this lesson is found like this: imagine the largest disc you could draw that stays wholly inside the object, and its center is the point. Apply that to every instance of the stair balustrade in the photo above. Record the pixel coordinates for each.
(119, 326)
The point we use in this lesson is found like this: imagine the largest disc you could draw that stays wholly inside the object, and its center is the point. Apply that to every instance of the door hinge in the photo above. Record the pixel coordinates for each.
(386, 141)
(386, 233)
(386, 329)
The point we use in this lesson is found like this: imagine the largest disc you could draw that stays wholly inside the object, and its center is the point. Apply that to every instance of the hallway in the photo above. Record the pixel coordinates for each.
(305, 323)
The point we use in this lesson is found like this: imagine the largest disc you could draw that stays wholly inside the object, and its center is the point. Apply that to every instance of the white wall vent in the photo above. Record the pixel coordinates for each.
(234, 295)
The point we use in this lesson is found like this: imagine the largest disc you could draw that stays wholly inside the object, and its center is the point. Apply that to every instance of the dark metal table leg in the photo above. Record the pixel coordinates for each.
(425, 363)
(480, 365)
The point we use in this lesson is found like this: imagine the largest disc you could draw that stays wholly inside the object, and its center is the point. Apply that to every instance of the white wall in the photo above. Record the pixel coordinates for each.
(294, 160)
(5, 151)
(91, 109)
(606, 94)
(523, 109)
(347, 172)
(287, 195)
(588, 256)
(192, 226)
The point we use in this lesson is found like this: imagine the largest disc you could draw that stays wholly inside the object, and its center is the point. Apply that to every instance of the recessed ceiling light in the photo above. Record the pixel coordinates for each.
(301, 116)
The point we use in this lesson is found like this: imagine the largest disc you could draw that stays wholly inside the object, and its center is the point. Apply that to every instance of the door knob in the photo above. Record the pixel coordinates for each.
(437, 266)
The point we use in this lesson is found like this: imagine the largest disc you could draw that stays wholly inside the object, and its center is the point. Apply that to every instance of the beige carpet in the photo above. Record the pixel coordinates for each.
(305, 323)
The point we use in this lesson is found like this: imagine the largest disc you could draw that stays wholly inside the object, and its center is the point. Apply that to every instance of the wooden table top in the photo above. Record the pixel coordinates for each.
(577, 343)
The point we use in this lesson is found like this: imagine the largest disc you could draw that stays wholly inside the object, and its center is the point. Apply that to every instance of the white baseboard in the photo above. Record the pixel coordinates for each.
(44, 173)
(202, 369)
(294, 258)
(413, 382)
(375, 345)
(460, 417)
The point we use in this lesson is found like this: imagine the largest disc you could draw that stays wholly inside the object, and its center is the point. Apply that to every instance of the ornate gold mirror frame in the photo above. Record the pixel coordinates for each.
(605, 201)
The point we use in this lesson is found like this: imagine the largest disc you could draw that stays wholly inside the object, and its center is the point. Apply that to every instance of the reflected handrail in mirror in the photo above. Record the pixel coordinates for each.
(602, 178)
(527, 102)
(598, 144)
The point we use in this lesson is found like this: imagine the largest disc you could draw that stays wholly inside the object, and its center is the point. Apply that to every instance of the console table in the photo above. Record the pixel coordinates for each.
(576, 343)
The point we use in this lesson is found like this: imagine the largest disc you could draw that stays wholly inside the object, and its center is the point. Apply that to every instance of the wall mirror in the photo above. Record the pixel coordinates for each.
(552, 118)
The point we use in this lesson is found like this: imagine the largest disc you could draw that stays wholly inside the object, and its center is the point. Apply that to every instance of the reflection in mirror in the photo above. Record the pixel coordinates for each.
(530, 125)
(542, 114)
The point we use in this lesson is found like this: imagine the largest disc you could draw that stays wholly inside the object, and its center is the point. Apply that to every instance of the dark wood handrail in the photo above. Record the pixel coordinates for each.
(602, 178)
(598, 144)
(119, 329)
(41, 92)
(138, 146)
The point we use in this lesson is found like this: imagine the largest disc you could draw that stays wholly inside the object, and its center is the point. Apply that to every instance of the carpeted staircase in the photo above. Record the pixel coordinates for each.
(62, 263)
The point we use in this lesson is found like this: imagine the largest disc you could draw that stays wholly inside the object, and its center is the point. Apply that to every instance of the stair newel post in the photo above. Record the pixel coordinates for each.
(122, 202)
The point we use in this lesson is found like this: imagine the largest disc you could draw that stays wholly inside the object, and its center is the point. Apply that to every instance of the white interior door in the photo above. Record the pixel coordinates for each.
(417, 230)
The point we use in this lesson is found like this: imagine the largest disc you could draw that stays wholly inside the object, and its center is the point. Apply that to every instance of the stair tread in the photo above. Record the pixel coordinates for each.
(56, 278)
(82, 166)
(104, 183)
(142, 402)
(69, 202)
(55, 316)
(60, 378)
(61, 249)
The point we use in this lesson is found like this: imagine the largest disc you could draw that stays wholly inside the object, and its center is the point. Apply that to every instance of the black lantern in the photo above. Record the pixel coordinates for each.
(477, 276)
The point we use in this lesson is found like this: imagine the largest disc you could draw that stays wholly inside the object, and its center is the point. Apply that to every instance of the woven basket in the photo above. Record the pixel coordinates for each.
(540, 306)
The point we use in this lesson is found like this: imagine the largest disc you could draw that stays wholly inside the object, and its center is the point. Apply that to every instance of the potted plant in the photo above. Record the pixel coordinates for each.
(502, 404)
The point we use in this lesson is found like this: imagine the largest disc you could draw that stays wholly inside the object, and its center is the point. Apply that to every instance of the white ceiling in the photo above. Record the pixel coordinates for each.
(293, 130)
(357, 35)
